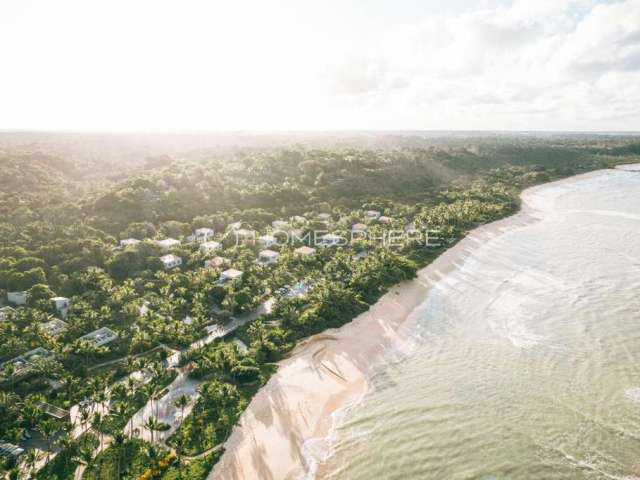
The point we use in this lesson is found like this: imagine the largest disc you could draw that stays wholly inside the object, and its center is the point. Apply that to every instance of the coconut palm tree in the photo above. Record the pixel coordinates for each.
(48, 429)
(31, 458)
(153, 425)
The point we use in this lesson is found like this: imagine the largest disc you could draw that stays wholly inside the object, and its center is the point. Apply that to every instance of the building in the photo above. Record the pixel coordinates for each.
(10, 450)
(210, 246)
(53, 411)
(267, 257)
(384, 219)
(305, 251)
(280, 225)
(267, 241)
(128, 242)
(170, 261)
(100, 337)
(168, 243)
(55, 327)
(297, 219)
(244, 235)
(203, 234)
(372, 214)
(358, 228)
(6, 312)
(24, 363)
(215, 262)
(330, 240)
(325, 217)
(17, 298)
(230, 275)
(62, 305)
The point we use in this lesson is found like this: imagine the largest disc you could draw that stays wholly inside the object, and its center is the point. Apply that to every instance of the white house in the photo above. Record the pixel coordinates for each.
(305, 251)
(210, 246)
(170, 261)
(384, 219)
(55, 327)
(230, 275)
(267, 257)
(202, 235)
(5, 312)
(372, 214)
(267, 241)
(280, 225)
(168, 243)
(24, 363)
(62, 305)
(358, 228)
(10, 450)
(17, 298)
(128, 242)
(100, 337)
(244, 235)
(215, 262)
(330, 240)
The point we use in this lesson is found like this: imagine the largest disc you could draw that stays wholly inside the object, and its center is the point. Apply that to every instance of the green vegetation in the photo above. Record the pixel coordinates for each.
(62, 217)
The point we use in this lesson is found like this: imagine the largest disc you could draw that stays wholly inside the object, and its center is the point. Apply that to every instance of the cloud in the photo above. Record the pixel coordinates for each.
(573, 60)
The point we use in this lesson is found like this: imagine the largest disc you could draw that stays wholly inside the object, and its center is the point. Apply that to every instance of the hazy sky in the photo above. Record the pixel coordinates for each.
(323, 64)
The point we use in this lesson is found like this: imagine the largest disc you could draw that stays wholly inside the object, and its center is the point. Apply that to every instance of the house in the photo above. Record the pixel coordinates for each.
(385, 220)
(203, 234)
(17, 298)
(230, 275)
(358, 228)
(10, 450)
(305, 251)
(267, 257)
(24, 363)
(372, 214)
(6, 312)
(267, 241)
(100, 337)
(170, 261)
(128, 242)
(210, 246)
(215, 262)
(53, 411)
(280, 225)
(330, 240)
(62, 305)
(168, 243)
(55, 327)
(244, 235)
(325, 217)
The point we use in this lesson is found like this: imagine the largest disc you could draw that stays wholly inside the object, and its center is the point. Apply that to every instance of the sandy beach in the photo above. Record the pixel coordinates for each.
(286, 430)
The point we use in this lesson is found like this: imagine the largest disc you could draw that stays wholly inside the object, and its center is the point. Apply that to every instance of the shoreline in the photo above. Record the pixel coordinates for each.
(285, 431)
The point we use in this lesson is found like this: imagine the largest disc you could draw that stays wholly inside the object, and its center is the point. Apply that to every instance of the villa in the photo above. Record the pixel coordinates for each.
(210, 246)
(267, 257)
(203, 234)
(325, 217)
(267, 241)
(54, 327)
(280, 225)
(170, 261)
(100, 337)
(330, 240)
(215, 262)
(384, 219)
(24, 363)
(358, 228)
(10, 450)
(17, 298)
(372, 214)
(245, 235)
(62, 305)
(305, 251)
(168, 243)
(230, 275)
(5, 312)
(128, 242)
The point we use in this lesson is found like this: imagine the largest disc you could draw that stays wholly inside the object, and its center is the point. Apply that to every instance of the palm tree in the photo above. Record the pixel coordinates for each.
(97, 422)
(31, 457)
(153, 455)
(118, 443)
(48, 430)
(181, 402)
(153, 425)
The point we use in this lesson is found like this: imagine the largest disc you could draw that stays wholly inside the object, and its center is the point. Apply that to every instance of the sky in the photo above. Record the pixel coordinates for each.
(184, 65)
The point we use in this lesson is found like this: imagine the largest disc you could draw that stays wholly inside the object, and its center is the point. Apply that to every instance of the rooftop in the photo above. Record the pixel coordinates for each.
(100, 337)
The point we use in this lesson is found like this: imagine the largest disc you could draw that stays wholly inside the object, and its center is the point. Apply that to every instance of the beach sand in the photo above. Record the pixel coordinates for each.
(285, 431)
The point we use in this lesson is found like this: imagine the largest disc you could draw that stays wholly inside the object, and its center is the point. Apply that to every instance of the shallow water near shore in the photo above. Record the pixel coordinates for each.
(526, 358)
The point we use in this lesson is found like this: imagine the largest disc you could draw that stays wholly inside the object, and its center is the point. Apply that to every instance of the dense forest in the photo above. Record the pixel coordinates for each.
(68, 201)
